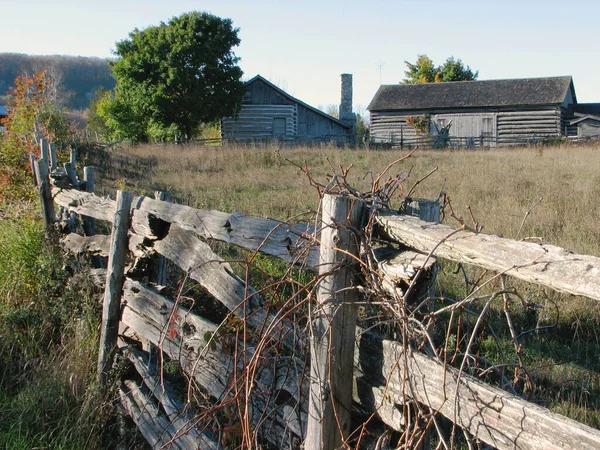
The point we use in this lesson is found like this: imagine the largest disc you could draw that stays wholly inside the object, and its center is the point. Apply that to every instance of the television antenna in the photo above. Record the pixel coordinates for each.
(380, 65)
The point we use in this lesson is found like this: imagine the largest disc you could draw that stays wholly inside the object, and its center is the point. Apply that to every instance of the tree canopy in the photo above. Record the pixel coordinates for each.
(175, 76)
(425, 71)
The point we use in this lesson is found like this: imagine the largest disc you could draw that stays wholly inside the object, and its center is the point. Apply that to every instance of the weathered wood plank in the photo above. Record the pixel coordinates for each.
(89, 224)
(547, 265)
(154, 426)
(216, 276)
(95, 245)
(85, 203)
(114, 283)
(41, 174)
(333, 328)
(498, 418)
(267, 236)
(179, 413)
(271, 237)
(185, 337)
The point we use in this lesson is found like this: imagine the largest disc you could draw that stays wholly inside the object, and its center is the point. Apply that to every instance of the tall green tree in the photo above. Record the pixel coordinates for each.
(175, 76)
(425, 71)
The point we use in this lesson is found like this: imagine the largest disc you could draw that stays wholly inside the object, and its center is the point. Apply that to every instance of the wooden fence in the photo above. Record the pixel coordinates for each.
(263, 366)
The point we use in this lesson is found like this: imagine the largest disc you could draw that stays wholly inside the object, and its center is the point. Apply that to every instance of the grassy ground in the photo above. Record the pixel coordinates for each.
(559, 187)
(48, 341)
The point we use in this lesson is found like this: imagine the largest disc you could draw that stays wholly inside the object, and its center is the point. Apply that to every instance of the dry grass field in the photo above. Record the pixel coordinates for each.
(499, 185)
(558, 186)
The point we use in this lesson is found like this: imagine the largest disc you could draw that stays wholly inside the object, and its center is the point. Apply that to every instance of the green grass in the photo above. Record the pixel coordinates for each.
(48, 342)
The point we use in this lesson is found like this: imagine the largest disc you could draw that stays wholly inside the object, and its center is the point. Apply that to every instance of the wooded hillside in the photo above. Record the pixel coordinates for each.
(79, 76)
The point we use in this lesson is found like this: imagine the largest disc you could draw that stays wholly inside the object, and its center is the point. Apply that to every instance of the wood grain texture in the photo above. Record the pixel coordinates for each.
(498, 418)
(270, 237)
(333, 328)
(216, 276)
(154, 426)
(114, 283)
(85, 203)
(188, 339)
(546, 265)
(95, 245)
(180, 414)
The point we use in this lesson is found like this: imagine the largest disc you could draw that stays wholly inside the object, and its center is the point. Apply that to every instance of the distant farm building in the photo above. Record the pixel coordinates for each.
(270, 113)
(479, 113)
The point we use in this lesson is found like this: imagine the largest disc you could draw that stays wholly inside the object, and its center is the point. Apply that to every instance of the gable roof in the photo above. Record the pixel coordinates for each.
(584, 117)
(295, 100)
(472, 94)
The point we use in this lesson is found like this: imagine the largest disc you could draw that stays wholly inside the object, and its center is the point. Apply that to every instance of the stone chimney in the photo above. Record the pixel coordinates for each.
(346, 115)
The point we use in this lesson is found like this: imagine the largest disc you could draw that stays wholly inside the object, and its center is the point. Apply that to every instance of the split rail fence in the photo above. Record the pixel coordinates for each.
(287, 403)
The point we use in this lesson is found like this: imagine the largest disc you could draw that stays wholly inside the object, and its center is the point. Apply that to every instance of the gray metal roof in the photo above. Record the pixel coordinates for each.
(295, 100)
(473, 94)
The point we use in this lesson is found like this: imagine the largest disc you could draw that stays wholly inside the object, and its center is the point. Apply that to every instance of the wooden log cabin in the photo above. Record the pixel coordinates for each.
(269, 113)
(482, 113)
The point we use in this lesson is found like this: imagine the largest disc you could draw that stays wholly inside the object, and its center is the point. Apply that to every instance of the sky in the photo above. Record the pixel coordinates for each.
(303, 46)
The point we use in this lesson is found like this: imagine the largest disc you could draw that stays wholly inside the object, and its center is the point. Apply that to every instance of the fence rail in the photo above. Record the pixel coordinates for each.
(386, 373)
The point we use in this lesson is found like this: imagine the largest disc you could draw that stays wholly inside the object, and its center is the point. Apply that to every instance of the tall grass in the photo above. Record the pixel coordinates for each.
(48, 342)
(499, 185)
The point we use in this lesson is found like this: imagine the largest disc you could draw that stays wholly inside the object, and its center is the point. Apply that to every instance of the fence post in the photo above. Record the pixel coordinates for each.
(111, 309)
(333, 328)
(43, 183)
(52, 156)
(89, 223)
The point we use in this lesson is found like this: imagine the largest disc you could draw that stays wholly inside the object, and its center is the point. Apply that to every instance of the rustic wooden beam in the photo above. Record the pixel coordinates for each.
(94, 245)
(270, 237)
(41, 174)
(154, 426)
(386, 376)
(196, 257)
(180, 414)
(208, 357)
(546, 265)
(114, 282)
(89, 223)
(84, 203)
(333, 329)
(52, 156)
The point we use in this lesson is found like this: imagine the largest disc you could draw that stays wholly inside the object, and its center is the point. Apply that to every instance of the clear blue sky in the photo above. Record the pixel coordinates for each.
(303, 46)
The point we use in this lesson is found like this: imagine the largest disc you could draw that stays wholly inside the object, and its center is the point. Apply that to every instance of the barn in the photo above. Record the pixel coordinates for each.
(479, 113)
(270, 113)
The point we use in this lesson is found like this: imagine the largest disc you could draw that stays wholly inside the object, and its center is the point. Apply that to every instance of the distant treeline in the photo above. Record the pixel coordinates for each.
(79, 77)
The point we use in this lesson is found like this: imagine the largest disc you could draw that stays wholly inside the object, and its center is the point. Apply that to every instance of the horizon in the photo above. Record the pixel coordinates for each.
(318, 41)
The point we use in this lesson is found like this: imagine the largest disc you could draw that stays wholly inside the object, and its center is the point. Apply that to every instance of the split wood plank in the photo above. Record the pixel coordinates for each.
(96, 245)
(498, 418)
(206, 267)
(186, 338)
(271, 237)
(85, 203)
(179, 413)
(547, 265)
(154, 426)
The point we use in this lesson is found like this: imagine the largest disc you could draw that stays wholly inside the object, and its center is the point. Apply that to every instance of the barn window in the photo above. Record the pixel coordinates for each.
(279, 125)
(247, 97)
